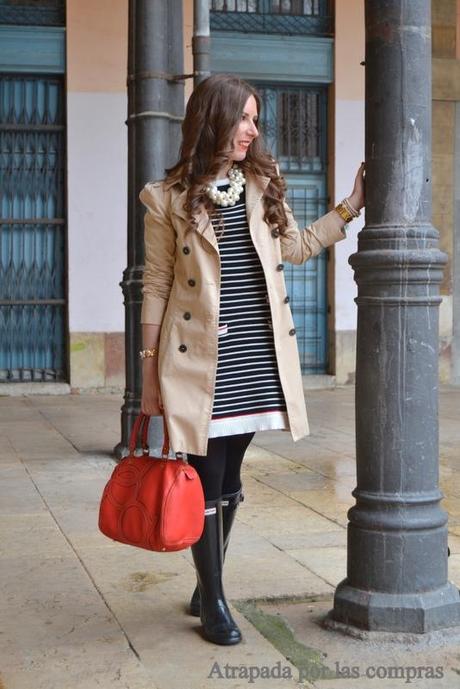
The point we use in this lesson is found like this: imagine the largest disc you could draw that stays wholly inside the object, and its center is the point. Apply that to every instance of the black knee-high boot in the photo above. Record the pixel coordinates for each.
(216, 618)
(230, 502)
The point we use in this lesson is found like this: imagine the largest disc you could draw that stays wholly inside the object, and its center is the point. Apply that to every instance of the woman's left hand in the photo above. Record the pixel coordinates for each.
(357, 196)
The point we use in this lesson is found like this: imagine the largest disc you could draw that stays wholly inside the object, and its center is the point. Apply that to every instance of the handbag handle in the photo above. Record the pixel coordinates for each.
(142, 424)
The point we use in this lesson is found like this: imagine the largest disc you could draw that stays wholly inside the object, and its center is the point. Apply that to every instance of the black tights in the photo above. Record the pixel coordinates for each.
(219, 470)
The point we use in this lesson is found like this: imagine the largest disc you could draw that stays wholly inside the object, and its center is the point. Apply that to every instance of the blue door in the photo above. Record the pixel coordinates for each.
(32, 231)
(293, 122)
(285, 48)
(33, 306)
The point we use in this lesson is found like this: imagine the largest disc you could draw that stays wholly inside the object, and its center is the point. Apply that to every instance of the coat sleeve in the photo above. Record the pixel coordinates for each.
(297, 246)
(160, 247)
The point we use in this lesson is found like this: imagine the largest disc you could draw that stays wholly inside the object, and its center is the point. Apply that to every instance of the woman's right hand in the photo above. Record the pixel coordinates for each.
(151, 402)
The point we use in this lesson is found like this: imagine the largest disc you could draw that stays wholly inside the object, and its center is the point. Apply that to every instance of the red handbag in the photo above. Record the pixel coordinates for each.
(153, 503)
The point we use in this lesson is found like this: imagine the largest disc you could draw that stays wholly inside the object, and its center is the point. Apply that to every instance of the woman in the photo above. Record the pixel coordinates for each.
(220, 357)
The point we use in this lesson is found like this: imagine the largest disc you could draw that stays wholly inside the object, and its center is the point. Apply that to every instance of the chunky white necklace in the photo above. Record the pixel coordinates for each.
(230, 197)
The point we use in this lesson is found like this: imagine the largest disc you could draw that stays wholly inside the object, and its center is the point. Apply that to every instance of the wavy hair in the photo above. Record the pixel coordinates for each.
(212, 117)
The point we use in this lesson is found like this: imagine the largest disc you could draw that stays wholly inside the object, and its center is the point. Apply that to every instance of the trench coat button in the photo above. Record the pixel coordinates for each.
(187, 315)
(192, 282)
(186, 250)
(292, 331)
(286, 300)
(280, 266)
(182, 348)
(275, 233)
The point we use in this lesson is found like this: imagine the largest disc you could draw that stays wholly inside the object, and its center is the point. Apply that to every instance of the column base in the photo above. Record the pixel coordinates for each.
(416, 613)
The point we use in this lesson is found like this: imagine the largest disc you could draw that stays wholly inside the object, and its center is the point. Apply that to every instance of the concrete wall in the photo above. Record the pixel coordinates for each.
(348, 154)
(97, 49)
(446, 95)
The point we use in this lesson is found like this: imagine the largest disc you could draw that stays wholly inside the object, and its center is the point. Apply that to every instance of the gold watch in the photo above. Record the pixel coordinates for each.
(343, 211)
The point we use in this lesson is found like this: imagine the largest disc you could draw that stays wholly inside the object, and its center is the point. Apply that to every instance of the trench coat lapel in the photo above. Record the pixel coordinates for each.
(203, 226)
(255, 187)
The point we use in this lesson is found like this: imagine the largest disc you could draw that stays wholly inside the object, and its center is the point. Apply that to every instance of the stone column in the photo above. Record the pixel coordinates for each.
(397, 532)
(155, 112)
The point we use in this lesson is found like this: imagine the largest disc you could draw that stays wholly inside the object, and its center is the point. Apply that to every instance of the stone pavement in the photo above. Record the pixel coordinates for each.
(79, 610)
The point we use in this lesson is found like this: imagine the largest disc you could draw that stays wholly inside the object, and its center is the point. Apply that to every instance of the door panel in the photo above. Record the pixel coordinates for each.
(293, 123)
(32, 229)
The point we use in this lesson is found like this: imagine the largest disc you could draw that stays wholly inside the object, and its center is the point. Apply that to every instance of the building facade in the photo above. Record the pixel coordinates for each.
(63, 238)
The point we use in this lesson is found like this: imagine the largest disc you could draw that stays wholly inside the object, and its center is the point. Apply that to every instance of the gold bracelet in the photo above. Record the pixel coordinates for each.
(343, 211)
(144, 353)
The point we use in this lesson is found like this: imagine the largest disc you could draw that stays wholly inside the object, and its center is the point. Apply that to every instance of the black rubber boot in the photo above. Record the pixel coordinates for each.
(216, 618)
(230, 502)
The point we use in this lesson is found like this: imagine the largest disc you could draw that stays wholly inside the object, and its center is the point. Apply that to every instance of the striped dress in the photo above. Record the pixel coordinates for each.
(248, 395)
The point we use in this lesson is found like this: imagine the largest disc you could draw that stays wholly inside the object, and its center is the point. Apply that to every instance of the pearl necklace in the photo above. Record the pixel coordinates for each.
(230, 197)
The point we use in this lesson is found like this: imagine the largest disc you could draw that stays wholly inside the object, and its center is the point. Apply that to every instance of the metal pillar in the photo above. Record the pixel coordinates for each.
(397, 532)
(201, 41)
(155, 113)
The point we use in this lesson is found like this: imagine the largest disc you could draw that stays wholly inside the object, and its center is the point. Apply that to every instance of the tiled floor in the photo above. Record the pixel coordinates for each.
(79, 610)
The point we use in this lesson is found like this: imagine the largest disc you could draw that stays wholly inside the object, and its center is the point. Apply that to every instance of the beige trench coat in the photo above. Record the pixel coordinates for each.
(181, 288)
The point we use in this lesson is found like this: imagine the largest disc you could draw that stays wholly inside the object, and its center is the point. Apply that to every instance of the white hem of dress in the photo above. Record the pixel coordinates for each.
(262, 421)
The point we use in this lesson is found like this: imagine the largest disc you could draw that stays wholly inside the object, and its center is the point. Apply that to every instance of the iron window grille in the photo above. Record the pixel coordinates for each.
(294, 17)
(293, 121)
(33, 12)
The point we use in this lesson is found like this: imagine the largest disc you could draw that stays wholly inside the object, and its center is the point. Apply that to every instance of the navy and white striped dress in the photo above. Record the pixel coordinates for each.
(248, 392)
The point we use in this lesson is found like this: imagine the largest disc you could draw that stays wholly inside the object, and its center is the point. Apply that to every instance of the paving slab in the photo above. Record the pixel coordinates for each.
(330, 659)
(79, 610)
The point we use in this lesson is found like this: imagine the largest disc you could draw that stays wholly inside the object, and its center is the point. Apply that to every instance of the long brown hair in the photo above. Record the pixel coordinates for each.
(212, 116)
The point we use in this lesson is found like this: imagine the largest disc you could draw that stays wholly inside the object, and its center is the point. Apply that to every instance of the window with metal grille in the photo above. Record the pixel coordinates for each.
(272, 16)
(33, 12)
(33, 309)
(299, 132)
(293, 122)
